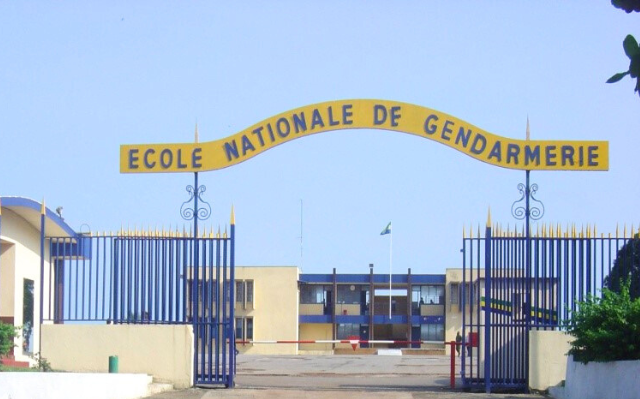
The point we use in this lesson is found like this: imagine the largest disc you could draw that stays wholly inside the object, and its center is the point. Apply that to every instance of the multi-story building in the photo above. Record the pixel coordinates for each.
(281, 304)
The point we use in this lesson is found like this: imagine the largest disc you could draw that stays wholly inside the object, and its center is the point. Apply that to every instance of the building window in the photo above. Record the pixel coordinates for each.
(432, 332)
(240, 291)
(416, 300)
(249, 331)
(349, 294)
(454, 294)
(244, 328)
(311, 294)
(347, 330)
(239, 329)
(432, 295)
(201, 298)
(27, 316)
(249, 289)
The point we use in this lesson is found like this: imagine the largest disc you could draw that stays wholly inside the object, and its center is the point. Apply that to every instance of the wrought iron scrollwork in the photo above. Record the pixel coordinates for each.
(536, 207)
(188, 211)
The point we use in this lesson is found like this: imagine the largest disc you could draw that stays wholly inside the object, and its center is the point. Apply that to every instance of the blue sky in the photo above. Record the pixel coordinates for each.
(78, 79)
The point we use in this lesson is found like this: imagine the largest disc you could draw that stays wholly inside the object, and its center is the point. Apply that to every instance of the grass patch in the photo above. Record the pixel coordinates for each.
(4, 368)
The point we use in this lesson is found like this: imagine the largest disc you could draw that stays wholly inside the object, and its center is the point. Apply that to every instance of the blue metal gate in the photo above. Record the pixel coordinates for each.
(152, 278)
(513, 284)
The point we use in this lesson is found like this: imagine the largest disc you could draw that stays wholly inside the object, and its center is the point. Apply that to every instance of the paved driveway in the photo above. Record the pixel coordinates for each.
(339, 376)
(343, 371)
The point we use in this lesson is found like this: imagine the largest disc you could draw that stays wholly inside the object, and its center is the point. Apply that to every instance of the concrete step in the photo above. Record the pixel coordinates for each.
(389, 352)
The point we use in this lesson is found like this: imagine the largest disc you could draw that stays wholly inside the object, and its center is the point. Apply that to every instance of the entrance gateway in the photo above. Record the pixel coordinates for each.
(214, 355)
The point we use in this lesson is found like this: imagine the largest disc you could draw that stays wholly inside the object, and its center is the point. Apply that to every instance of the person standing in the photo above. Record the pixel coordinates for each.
(458, 341)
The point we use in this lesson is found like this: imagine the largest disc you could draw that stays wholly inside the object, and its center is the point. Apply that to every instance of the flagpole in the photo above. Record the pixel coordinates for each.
(390, 267)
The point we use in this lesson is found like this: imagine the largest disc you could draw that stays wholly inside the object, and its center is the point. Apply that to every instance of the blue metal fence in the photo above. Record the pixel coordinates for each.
(151, 278)
(513, 284)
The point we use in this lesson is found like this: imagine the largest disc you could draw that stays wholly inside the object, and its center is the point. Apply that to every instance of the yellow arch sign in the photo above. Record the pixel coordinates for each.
(366, 114)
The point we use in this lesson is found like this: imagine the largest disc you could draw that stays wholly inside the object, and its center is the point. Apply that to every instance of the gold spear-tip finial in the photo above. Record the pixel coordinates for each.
(528, 132)
(489, 218)
(233, 216)
(197, 138)
(43, 208)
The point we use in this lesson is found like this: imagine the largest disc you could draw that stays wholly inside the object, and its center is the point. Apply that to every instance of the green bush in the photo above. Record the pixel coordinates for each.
(42, 364)
(7, 333)
(606, 329)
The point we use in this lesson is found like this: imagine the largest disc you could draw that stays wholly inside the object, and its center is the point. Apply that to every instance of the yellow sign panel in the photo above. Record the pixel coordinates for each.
(366, 114)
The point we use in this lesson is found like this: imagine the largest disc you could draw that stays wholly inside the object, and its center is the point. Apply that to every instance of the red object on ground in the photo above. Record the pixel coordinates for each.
(11, 362)
(473, 339)
(452, 378)
(354, 337)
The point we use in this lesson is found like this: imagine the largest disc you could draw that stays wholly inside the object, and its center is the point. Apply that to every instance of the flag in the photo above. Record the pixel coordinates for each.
(387, 230)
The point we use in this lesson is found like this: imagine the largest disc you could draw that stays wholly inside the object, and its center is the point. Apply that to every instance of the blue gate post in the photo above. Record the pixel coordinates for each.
(527, 193)
(528, 296)
(196, 213)
(527, 213)
(195, 283)
(232, 278)
(487, 306)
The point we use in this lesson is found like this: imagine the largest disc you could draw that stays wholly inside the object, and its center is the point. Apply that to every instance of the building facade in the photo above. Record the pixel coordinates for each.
(282, 304)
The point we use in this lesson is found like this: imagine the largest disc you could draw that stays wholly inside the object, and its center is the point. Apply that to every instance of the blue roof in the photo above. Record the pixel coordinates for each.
(30, 210)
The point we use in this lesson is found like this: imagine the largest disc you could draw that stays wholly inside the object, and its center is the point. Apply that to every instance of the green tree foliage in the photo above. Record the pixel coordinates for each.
(630, 46)
(7, 333)
(632, 51)
(626, 268)
(627, 5)
(607, 328)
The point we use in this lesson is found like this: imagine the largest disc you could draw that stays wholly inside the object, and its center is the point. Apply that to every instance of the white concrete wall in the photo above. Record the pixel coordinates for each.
(163, 351)
(73, 386)
(610, 380)
(547, 358)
